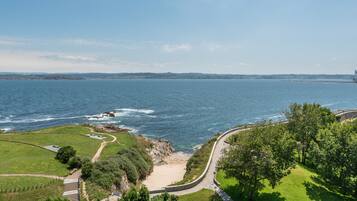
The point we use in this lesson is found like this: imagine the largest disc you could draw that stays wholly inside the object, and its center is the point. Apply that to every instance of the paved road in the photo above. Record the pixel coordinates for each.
(208, 180)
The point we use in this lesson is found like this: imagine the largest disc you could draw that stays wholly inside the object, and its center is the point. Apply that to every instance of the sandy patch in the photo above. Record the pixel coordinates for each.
(166, 174)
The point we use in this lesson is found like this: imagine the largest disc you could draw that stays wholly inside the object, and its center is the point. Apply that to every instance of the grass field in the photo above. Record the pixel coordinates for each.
(20, 158)
(124, 140)
(9, 184)
(202, 195)
(300, 185)
(29, 188)
(72, 135)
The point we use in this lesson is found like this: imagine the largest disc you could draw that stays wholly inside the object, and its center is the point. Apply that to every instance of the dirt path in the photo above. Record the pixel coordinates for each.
(102, 146)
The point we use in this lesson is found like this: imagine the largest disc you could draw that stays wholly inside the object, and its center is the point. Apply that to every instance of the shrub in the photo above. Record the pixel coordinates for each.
(106, 173)
(75, 162)
(65, 153)
(138, 160)
(87, 168)
(129, 167)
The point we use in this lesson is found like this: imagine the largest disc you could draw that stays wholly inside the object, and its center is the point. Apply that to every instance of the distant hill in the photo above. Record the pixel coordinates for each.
(107, 76)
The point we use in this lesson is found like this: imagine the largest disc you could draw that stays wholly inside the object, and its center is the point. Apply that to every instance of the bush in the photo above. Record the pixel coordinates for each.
(75, 162)
(106, 173)
(165, 197)
(65, 153)
(142, 166)
(87, 168)
(129, 167)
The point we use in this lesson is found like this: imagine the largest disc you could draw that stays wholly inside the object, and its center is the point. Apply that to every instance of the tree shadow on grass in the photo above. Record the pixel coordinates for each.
(237, 195)
(319, 193)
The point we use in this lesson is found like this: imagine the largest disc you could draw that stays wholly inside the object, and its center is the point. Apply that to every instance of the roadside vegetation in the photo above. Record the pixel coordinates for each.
(202, 195)
(198, 162)
(312, 157)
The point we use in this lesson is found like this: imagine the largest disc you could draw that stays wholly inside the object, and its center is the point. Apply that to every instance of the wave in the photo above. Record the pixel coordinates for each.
(6, 129)
(131, 129)
(133, 110)
(9, 119)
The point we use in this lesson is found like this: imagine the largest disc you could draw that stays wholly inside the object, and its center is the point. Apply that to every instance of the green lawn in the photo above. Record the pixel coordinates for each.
(72, 135)
(300, 185)
(124, 140)
(20, 158)
(202, 195)
(29, 188)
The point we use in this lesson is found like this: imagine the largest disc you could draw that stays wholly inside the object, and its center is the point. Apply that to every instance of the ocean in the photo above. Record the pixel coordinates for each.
(185, 112)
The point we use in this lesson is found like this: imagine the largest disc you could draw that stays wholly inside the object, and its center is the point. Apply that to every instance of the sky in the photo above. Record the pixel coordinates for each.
(207, 36)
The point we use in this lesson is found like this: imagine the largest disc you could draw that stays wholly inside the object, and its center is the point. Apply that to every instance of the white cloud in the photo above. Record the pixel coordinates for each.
(12, 41)
(70, 58)
(60, 62)
(176, 47)
(87, 42)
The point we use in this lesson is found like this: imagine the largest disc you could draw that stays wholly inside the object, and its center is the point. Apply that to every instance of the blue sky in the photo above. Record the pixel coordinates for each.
(232, 36)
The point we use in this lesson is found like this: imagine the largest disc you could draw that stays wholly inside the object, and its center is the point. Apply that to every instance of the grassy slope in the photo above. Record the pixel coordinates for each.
(72, 135)
(202, 195)
(198, 161)
(124, 140)
(20, 158)
(10, 183)
(298, 186)
(48, 188)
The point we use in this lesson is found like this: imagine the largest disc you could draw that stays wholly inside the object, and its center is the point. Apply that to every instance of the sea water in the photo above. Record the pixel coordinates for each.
(185, 112)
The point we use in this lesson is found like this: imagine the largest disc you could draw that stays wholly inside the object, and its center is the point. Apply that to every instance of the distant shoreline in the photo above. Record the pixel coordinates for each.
(115, 76)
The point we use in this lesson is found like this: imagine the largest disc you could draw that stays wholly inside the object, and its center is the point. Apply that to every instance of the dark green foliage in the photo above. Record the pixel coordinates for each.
(304, 121)
(87, 168)
(136, 157)
(335, 156)
(128, 166)
(65, 153)
(106, 173)
(75, 162)
(263, 153)
(144, 194)
(165, 197)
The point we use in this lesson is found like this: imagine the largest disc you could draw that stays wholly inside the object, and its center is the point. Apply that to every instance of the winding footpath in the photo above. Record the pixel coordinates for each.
(72, 182)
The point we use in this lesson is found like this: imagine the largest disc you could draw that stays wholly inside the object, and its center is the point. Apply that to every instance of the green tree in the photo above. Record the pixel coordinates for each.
(304, 121)
(75, 162)
(131, 195)
(87, 168)
(263, 153)
(144, 194)
(335, 156)
(65, 153)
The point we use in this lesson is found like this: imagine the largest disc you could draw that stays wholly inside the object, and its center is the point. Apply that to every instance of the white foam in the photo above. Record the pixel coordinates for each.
(133, 110)
(131, 130)
(9, 119)
(6, 129)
